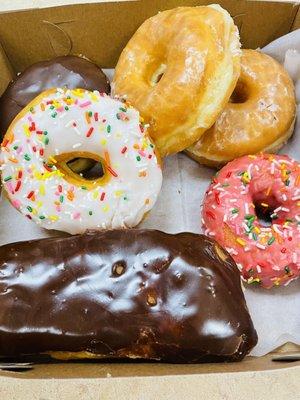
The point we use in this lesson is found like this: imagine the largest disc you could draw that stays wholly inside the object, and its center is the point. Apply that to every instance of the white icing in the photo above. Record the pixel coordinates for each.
(127, 197)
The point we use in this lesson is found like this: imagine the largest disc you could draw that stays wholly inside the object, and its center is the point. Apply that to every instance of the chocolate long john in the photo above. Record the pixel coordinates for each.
(123, 293)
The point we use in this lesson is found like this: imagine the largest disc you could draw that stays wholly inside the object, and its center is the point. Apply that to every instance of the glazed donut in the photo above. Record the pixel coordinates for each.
(66, 71)
(252, 208)
(179, 70)
(60, 125)
(259, 117)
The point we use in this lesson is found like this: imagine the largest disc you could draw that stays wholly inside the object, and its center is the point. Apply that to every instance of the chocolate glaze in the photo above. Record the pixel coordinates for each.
(66, 71)
(135, 293)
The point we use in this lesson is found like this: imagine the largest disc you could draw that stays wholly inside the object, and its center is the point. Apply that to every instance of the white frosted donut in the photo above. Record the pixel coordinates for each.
(60, 125)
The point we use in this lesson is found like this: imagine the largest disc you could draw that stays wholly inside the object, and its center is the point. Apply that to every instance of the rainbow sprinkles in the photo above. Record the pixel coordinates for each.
(268, 186)
(63, 124)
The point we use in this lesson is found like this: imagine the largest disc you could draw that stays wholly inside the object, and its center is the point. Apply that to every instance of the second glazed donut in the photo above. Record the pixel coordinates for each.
(259, 117)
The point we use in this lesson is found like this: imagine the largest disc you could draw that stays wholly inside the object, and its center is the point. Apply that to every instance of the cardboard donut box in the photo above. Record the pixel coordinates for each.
(100, 31)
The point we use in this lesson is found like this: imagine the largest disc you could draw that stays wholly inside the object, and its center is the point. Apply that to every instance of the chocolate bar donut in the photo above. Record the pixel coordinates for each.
(66, 71)
(123, 294)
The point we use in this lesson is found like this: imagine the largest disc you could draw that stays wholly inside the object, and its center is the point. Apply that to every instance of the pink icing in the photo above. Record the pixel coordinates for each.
(266, 253)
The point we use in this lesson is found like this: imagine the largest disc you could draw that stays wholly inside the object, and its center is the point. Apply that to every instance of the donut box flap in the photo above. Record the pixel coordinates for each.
(251, 379)
(41, 33)
(28, 36)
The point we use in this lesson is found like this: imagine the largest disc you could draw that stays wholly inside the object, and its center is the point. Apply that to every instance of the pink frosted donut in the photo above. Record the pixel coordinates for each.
(252, 208)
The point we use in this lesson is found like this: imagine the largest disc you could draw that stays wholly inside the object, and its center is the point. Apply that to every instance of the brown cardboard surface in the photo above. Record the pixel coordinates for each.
(263, 385)
(101, 369)
(255, 378)
(296, 23)
(6, 70)
(99, 31)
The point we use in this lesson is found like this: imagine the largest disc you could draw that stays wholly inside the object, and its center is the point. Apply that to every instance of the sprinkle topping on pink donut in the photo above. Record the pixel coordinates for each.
(252, 208)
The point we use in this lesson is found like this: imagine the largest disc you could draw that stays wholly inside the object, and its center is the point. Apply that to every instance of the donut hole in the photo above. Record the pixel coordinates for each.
(240, 94)
(86, 168)
(83, 169)
(263, 214)
(158, 74)
(158, 77)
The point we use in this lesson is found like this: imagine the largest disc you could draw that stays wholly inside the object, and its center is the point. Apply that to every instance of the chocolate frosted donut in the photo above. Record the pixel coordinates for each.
(136, 294)
(66, 71)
